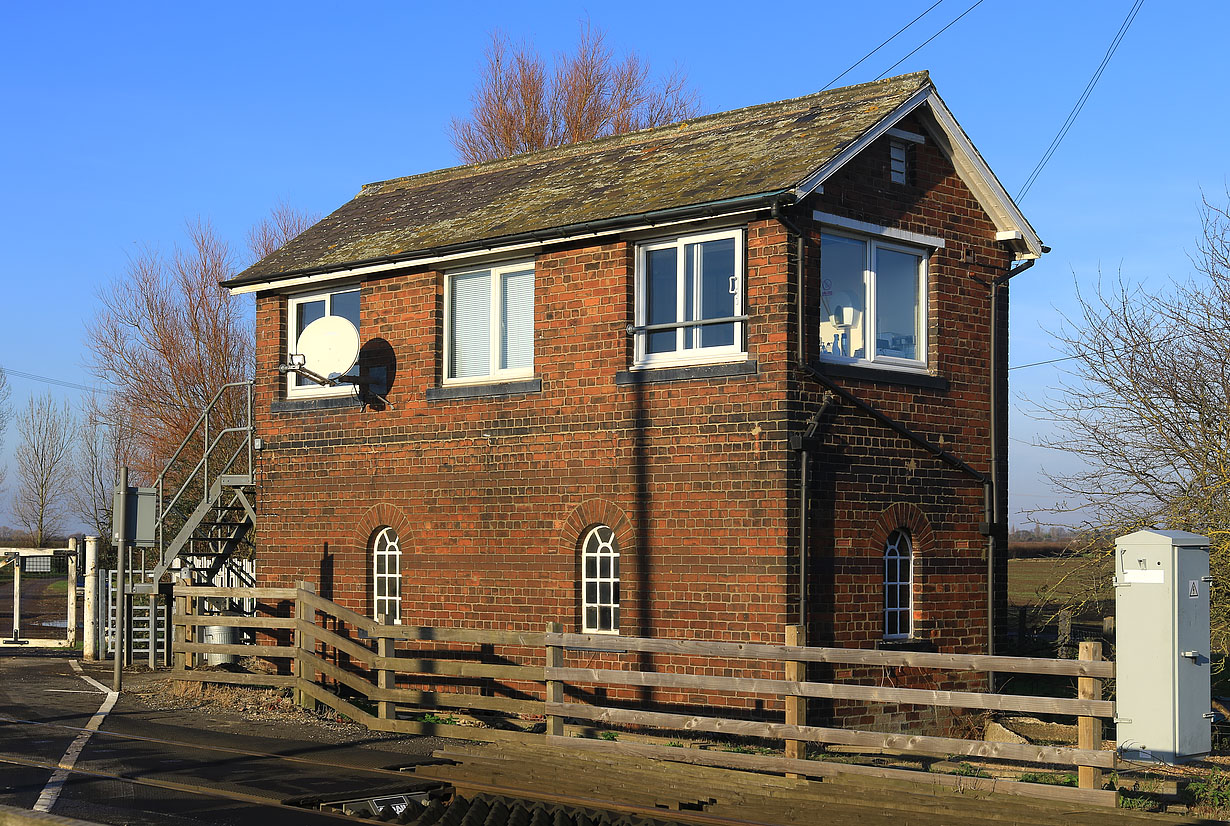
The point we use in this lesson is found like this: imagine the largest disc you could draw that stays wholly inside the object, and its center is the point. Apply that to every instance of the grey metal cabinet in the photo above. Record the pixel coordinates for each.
(1162, 671)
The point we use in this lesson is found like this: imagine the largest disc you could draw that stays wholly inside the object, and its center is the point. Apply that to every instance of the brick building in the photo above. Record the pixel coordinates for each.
(704, 381)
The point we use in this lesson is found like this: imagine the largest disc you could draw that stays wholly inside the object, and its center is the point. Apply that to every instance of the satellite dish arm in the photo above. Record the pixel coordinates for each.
(296, 366)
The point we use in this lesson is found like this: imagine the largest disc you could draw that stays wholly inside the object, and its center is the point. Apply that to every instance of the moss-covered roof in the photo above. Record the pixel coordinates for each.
(760, 149)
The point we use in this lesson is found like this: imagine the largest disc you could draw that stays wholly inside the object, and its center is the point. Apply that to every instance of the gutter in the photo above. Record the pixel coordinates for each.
(509, 243)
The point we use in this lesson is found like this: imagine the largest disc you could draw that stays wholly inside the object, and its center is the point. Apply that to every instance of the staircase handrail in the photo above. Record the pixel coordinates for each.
(202, 423)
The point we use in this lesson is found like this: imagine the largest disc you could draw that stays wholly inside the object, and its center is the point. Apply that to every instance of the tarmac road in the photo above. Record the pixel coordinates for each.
(46, 689)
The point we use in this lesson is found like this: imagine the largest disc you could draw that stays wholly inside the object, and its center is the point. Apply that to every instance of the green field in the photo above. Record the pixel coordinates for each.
(1051, 583)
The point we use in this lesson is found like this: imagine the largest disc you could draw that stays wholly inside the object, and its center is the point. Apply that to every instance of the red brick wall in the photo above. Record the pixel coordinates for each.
(491, 496)
(869, 480)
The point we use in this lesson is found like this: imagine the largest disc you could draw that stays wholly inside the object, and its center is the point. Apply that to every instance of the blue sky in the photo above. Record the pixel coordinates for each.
(123, 121)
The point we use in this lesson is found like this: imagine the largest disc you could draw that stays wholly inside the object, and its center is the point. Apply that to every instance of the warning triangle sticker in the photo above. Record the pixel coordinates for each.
(1194, 590)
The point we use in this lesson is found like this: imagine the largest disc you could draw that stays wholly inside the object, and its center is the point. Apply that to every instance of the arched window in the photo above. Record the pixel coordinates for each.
(600, 581)
(898, 586)
(386, 574)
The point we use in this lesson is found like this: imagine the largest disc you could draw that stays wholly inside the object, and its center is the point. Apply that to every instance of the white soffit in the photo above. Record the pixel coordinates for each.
(1009, 222)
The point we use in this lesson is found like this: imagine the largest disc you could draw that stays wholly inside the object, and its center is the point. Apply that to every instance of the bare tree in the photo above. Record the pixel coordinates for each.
(105, 443)
(283, 223)
(166, 336)
(1146, 406)
(522, 105)
(44, 455)
(6, 413)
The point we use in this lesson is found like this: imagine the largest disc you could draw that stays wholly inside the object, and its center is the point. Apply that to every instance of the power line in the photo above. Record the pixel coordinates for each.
(1080, 103)
(21, 374)
(932, 37)
(854, 65)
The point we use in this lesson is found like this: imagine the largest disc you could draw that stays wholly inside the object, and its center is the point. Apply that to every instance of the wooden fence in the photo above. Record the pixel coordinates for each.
(372, 671)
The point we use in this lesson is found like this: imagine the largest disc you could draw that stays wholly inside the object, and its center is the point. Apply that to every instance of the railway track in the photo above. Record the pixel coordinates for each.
(424, 802)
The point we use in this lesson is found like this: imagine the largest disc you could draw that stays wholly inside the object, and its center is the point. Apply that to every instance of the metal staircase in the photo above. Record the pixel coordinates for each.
(205, 513)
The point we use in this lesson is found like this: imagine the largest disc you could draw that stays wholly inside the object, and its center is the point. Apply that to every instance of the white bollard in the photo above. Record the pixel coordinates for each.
(89, 649)
(71, 627)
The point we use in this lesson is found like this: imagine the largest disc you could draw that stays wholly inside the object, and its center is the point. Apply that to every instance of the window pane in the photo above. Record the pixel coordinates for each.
(591, 567)
(843, 296)
(591, 618)
(898, 316)
(604, 619)
(661, 298)
(591, 593)
(604, 567)
(379, 563)
(471, 326)
(517, 320)
(604, 593)
(717, 268)
(306, 313)
(346, 305)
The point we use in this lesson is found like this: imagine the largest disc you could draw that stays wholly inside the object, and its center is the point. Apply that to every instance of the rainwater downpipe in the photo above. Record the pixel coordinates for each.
(808, 437)
(996, 505)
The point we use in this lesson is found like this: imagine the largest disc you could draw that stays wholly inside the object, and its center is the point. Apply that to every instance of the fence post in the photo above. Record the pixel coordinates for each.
(89, 646)
(384, 676)
(796, 707)
(305, 646)
(183, 605)
(71, 637)
(1089, 729)
(555, 689)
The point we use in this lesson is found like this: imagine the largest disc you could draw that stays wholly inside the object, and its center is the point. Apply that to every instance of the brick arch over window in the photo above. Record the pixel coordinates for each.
(572, 533)
(379, 516)
(907, 517)
(914, 523)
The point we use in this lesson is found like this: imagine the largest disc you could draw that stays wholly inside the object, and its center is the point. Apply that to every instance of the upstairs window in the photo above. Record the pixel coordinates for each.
(689, 300)
(898, 586)
(489, 324)
(873, 302)
(303, 310)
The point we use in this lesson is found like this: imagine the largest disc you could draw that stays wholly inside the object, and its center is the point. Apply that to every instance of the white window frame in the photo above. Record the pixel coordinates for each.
(603, 549)
(695, 355)
(871, 244)
(906, 612)
(298, 391)
(386, 544)
(496, 374)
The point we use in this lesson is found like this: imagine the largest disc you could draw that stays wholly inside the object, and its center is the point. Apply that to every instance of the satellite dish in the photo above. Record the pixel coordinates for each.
(329, 346)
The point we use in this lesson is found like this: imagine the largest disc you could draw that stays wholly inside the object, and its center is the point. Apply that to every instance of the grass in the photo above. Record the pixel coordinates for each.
(1059, 581)
(1211, 790)
(1049, 778)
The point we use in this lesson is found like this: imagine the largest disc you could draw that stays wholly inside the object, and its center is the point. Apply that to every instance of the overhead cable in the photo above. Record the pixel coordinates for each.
(1080, 103)
(929, 39)
(854, 65)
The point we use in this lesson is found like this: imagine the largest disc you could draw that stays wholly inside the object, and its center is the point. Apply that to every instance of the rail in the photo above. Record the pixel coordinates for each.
(414, 680)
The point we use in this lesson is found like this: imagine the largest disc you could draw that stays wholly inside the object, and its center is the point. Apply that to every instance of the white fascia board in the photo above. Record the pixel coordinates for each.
(970, 166)
(866, 228)
(508, 251)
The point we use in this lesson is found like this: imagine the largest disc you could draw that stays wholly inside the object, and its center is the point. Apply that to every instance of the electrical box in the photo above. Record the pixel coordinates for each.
(140, 516)
(1162, 667)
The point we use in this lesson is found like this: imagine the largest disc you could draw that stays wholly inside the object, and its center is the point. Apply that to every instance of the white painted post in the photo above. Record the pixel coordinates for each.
(89, 648)
(17, 598)
(71, 628)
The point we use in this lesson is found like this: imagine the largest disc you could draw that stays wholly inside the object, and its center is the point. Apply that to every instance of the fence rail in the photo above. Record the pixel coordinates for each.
(370, 671)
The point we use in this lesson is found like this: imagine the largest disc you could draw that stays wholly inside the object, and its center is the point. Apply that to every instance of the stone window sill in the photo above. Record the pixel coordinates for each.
(700, 371)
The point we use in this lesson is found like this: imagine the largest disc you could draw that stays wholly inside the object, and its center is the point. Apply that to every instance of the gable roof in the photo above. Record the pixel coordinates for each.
(743, 159)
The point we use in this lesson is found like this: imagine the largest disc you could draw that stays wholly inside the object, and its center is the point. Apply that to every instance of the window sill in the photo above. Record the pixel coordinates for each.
(700, 371)
(909, 644)
(319, 403)
(475, 391)
(883, 376)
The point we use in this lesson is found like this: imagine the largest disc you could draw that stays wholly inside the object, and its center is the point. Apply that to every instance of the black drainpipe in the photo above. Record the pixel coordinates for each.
(806, 442)
(999, 428)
